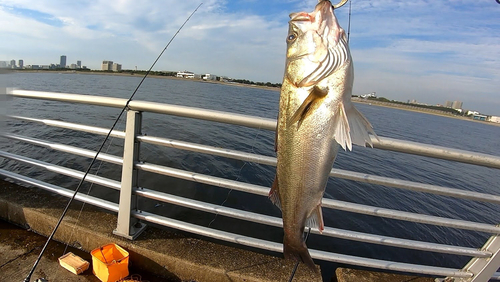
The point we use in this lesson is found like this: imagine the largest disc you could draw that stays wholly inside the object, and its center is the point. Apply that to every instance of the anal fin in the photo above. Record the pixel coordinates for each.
(315, 220)
(274, 194)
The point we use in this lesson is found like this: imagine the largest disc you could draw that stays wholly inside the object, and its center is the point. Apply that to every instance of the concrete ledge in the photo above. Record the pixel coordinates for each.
(352, 275)
(169, 254)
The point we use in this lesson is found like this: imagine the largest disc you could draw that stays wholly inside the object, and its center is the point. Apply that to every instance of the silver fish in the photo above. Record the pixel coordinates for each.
(315, 116)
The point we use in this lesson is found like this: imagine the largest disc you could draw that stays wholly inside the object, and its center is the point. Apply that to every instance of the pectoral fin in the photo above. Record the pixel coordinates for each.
(305, 108)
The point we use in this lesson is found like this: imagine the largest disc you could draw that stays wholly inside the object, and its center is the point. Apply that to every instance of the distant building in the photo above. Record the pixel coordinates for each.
(73, 66)
(412, 101)
(448, 104)
(3, 64)
(209, 77)
(79, 64)
(185, 74)
(21, 64)
(117, 67)
(456, 105)
(107, 65)
(13, 64)
(480, 117)
(371, 95)
(62, 63)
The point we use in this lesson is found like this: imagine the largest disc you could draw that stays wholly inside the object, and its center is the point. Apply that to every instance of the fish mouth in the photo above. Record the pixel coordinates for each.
(322, 8)
(340, 4)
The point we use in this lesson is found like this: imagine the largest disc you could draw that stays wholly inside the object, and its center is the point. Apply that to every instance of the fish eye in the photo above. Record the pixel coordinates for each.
(291, 37)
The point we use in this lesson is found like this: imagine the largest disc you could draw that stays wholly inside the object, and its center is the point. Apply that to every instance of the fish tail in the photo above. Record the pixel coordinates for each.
(297, 250)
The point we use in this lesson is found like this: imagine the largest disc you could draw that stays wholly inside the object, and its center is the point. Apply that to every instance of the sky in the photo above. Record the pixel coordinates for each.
(423, 50)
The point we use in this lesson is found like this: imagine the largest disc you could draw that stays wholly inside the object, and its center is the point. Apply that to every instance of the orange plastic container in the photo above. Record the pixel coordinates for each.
(110, 263)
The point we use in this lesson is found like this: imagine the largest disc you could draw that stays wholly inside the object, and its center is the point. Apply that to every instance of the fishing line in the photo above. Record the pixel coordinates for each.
(238, 177)
(28, 278)
(298, 261)
(88, 193)
(349, 23)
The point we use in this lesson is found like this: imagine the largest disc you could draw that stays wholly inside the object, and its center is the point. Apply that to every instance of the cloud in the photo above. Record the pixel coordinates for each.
(425, 50)
(429, 51)
(214, 40)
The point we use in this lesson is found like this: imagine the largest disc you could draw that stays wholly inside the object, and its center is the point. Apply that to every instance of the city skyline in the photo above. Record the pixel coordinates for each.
(431, 51)
(21, 63)
(113, 66)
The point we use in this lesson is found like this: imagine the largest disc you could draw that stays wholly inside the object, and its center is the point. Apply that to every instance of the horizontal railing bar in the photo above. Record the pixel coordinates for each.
(62, 191)
(233, 154)
(63, 170)
(153, 107)
(277, 247)
(384, 143)
(328, 231)
(267, 160)
(204, 114)
(415, 186)
(239, 239)
(203, 178)
(73, 126)
(70, 98)
(438, 152)
(66, 148)
(328, 203)
(408, 216)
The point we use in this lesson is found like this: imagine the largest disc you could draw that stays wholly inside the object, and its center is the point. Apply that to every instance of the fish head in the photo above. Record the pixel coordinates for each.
(310, 39)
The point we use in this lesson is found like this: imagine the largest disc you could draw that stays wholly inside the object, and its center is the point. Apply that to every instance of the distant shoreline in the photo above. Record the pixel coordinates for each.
(354, 99)
(419, 110)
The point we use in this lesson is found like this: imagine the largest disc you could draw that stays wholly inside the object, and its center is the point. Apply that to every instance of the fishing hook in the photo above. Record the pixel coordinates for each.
(340, 4)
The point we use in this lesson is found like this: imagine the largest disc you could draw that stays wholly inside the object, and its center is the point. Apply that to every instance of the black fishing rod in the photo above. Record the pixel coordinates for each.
(28, 278)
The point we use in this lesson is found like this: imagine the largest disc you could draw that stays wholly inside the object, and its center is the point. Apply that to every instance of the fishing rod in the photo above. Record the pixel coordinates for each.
(28, 278)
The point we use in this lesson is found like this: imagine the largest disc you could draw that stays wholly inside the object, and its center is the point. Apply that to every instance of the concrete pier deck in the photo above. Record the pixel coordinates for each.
(157, 255)
(171, 255)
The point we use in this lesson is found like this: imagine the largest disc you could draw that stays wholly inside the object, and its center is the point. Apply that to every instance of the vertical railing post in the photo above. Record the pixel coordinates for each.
(127, 226)
(483, 268)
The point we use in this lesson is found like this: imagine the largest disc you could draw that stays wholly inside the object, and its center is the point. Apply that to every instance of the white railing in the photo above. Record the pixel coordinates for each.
(484, 262)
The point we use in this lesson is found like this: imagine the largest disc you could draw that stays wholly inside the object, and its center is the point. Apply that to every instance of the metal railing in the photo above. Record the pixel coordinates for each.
(484, 262)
